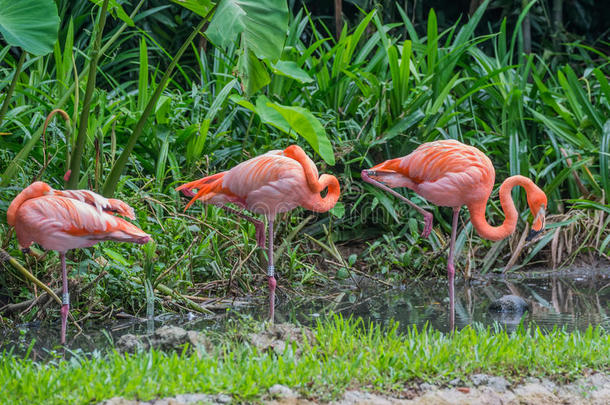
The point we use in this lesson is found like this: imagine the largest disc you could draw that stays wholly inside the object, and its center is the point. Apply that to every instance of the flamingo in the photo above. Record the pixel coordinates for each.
(68, 219)
(451, 174)
(269, 184)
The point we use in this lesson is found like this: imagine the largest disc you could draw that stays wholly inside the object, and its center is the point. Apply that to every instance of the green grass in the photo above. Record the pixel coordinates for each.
(344, 353)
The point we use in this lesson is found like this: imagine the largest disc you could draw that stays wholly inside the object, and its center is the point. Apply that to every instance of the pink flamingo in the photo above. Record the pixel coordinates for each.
(451, 174)
(275, 182)
(69, 219)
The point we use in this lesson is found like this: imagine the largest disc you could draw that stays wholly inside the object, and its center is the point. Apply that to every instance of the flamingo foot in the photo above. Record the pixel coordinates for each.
(272, 283)
(428, 219)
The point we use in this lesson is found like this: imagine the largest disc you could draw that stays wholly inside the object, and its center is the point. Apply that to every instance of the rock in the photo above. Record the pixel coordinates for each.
(282, 391)
(509, 304)
(479, 379)
(164, 338)
(277, 336)
(427, 387)
(129, 343)
(498, 384)
(182, 399)
(455, 381)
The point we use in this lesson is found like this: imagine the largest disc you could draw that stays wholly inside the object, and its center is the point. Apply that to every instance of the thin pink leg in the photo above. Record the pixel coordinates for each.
(271, 273)
(65, 307)
(258, 225)
(427, 215)
(451, 269)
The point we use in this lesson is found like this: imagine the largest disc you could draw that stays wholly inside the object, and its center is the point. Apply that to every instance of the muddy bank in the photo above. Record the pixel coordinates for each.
(478, 389)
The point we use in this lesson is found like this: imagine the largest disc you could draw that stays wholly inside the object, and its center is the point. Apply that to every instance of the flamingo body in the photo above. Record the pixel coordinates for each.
(452, 174)
(276, 182)
(69, 219)
(446, 173)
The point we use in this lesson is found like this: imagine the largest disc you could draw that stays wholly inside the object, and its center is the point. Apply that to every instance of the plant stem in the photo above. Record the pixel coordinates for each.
(15, 164)
(77, 152)
(117, 169)
(11, 89)
(4, 256)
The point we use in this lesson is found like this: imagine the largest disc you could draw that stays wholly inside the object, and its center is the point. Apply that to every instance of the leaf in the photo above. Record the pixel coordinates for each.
(304, 123)
(262, 23)
(116, 10)
(201, 7)
(30, 24)
(338, 210)
(290, 69)
(252, 72)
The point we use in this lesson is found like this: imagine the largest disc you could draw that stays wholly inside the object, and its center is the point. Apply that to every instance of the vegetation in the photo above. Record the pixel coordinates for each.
(153, 103)
(343, 353)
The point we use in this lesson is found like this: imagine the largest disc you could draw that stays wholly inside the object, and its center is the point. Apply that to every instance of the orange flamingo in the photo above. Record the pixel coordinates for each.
(275, 182)
(69, 219)
(451, 174)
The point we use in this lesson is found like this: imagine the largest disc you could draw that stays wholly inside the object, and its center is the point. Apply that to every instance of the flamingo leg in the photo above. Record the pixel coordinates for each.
(271, 273)
(65, 307)
(451, 269)
(427, 215)
(258, 225)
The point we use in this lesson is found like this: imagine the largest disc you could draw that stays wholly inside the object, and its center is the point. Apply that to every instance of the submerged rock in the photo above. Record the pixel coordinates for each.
(509, 304)
(164, 338)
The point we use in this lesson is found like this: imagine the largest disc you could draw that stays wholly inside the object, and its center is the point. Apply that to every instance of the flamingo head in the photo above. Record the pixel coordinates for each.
(538, 204)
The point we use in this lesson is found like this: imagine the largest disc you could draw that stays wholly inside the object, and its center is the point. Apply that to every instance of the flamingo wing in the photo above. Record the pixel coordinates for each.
(446, 173)
(62, 223)
(99, 202)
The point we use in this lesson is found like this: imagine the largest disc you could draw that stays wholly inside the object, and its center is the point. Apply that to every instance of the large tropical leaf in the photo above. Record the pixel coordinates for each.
(201, 7)
(292, 119)
(29, 24)
(304, 123)
(262, 23)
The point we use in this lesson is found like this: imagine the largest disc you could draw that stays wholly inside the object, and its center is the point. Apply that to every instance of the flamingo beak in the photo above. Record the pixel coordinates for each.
(537, 223)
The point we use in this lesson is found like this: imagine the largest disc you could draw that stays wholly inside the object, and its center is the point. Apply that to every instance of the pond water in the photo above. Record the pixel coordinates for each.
(571, 299)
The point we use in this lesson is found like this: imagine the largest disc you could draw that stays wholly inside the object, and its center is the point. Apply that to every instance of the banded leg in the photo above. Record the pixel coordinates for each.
(451, 269)
(65, 307)
(271, 273)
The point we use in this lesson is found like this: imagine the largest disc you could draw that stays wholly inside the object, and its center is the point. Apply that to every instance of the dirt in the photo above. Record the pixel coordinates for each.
(481, 389)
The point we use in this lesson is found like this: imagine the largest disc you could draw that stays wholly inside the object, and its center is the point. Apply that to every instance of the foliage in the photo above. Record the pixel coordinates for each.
(376, 92)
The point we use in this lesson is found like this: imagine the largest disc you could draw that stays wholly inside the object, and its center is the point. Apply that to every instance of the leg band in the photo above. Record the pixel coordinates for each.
(65, 299)
(271, 271)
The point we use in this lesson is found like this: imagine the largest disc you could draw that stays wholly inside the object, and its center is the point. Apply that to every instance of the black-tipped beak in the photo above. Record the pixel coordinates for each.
(532, 235)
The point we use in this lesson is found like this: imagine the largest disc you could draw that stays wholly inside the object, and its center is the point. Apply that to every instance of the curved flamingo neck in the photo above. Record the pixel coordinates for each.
(316, 185)
(477, 210)
(34, 190)
(322, 204)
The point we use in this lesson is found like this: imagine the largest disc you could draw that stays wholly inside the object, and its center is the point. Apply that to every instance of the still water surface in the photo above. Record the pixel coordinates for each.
(572, 300)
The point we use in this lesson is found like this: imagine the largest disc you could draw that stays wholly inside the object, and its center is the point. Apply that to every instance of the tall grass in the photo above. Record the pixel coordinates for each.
(379, 90)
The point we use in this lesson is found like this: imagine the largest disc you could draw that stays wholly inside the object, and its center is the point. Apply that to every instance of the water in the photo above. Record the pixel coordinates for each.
(572, 300)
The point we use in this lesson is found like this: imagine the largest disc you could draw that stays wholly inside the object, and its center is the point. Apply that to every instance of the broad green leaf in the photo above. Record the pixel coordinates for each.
(270, 115)
(262, 23)
(290, 69)
(338, 210)
(304, 123)
(252, 72)
(201, 7)
(116, 10)
(29, 24)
